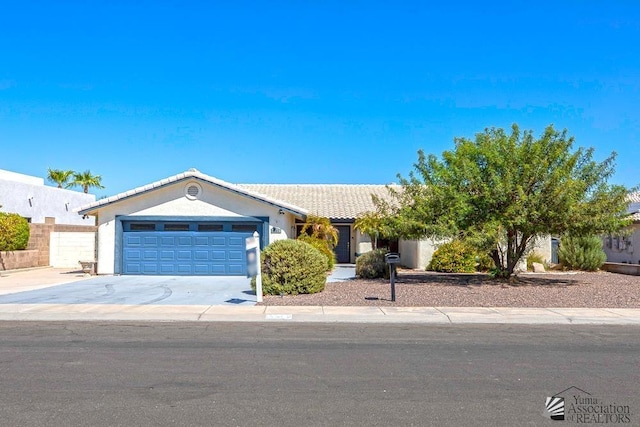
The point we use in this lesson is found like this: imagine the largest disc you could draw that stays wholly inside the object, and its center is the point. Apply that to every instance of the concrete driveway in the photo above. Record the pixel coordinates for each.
(125, 290)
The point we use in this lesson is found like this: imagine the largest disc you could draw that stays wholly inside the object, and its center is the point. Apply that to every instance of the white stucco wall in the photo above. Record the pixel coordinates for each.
(170, 201)
(67, 248)
(542, 247)
(29, 197)
(416, 253)
(623, 250)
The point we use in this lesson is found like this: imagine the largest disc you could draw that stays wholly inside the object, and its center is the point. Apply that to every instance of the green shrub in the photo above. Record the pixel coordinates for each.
(581, 253)
(484, 262)
(323, 246)
(372, 265)
(453, 257)
(292, 267)
(14, 232)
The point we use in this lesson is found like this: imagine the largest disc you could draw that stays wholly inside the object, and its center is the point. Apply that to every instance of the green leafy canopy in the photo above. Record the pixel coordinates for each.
(502, 190)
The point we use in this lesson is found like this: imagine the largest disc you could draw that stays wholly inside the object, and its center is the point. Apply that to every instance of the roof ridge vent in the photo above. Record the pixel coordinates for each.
(193, 170)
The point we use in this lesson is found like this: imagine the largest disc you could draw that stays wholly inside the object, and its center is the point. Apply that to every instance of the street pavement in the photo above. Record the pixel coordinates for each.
(49, 294)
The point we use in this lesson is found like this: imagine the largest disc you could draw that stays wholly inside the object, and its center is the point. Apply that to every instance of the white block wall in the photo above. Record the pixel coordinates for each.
(70, 247)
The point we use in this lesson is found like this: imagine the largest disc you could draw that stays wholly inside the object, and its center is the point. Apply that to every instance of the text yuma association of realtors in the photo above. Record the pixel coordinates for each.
(593, 411)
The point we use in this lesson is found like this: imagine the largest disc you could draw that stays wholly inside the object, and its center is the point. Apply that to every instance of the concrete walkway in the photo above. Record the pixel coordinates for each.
(12, 282)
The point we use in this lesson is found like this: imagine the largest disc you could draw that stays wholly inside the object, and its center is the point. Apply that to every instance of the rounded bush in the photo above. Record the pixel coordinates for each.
(581, 253)
(323, 246)
(14, 232)
(372, 265)
(292, 267)
(453, 257)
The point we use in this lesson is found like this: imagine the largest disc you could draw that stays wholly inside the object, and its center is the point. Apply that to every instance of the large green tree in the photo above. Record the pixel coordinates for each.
(87, 180)
(503, 190)
(60, 177)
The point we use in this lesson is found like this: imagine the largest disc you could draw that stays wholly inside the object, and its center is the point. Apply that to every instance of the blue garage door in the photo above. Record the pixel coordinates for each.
(184, 253)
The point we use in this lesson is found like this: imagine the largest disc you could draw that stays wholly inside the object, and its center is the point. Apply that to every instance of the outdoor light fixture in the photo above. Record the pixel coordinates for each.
(281, 212)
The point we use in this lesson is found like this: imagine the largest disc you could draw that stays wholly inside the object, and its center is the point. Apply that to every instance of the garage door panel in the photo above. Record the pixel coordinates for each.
(150, 241)
(168, 241)
(183, 269)
(236, 241)
(200, 255)
(184, 253)
(133, 241)
(149, 268)
(219, 241)
(185, 241)
(201, 269)
(236, 269)
(150, 255)
(132, 255)
(168, 269)
(201, 241)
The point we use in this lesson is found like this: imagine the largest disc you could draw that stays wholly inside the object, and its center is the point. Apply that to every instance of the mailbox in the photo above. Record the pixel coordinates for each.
(392, 258)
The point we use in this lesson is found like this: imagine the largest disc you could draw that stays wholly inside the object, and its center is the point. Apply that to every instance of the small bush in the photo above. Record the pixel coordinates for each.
(323, 246)
(372, 265)
(292, 267)
(14, 232)
(534, 257)
(581, 253)
(484, 262)
(453, 257)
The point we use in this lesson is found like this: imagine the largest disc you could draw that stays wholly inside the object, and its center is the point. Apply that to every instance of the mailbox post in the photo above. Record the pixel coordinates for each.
(392, 259)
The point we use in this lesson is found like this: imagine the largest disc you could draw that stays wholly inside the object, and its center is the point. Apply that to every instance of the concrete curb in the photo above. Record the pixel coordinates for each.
(320, 314)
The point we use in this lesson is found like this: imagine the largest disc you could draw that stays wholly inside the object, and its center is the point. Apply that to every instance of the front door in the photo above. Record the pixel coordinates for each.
(343, 249)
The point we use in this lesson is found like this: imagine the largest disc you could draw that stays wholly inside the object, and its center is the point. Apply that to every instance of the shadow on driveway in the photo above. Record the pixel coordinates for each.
(142, 290)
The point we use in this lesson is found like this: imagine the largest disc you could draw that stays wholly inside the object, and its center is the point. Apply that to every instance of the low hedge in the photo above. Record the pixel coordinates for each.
(291, 267)
(14, 232)
(372, 265)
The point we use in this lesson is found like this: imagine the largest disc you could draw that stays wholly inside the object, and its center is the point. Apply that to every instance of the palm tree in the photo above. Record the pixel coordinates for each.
(86, 180)
(60, 177)
(321, 228)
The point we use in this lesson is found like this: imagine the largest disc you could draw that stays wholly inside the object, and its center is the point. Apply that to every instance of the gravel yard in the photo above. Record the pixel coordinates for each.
(429, 289)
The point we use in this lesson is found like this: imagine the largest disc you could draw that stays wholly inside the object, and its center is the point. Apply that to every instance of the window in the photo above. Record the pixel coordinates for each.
(176, 227)
(141, 226)
(209, 227)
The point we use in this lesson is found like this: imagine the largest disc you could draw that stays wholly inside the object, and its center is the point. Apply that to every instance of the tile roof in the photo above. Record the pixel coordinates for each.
(634, 206)
(335, 201)
(192, 173)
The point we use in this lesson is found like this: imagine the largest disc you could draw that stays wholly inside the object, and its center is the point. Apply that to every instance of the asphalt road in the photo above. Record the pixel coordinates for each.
(225, 374)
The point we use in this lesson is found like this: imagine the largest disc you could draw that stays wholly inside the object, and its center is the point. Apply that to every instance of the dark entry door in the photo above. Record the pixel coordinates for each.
(343, 249)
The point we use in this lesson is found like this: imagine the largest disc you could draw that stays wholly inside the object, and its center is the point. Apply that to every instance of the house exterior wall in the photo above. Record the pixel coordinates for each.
(30, 198)
(170, 202)
(623, 249)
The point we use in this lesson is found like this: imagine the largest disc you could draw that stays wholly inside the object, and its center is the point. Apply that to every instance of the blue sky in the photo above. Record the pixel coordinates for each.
(306, 92)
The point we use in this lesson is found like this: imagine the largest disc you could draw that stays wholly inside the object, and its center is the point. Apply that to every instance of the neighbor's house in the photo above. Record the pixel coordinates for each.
(625, 248)
(59, 237)
(195, 224)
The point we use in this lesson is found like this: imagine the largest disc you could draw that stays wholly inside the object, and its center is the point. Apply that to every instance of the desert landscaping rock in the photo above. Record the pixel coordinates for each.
(428, 289)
